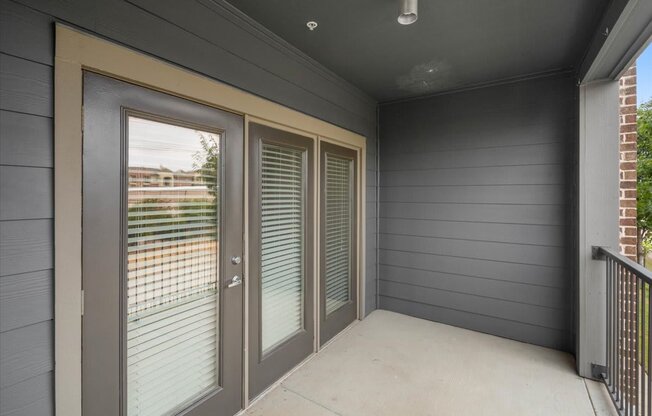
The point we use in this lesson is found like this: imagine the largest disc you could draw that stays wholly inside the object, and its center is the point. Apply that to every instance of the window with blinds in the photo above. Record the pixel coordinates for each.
(338, 188)
(172, 266)
(282, 246)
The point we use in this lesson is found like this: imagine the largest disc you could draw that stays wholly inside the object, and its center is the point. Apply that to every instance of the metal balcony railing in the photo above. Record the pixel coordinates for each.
(627, 373)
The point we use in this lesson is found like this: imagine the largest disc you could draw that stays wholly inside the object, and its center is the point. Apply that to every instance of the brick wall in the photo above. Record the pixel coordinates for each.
(628, 163)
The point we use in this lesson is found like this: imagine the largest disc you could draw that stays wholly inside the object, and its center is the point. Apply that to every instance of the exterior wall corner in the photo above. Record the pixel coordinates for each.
(627, 174)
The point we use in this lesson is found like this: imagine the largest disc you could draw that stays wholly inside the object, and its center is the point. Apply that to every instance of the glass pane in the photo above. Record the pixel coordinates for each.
(173, 252)
(282, 222)
(339, 220)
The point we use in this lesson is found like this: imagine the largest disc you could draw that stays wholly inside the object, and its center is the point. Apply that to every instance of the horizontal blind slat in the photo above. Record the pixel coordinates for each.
(338, 236)
(281, 207)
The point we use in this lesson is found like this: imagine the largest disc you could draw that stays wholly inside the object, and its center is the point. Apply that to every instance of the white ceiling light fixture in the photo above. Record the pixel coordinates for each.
(408, 12)
(312, 25)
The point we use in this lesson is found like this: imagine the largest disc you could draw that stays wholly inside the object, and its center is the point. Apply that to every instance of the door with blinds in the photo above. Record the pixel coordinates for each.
(162, 240)
(338, 239)
(281, 271)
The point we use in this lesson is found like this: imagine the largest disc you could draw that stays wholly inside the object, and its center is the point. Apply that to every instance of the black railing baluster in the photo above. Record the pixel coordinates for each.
(628, 349)
(622, 348)
(609, 323)
(621, 314)
(616, 337)
(629, 399)
(640, 354)
(636, 362)
(642, 348)
(614, 332)
(646, 302)
(633, 345)
(631, 348)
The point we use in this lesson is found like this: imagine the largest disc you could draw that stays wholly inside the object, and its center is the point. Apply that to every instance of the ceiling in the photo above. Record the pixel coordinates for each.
(454, 43)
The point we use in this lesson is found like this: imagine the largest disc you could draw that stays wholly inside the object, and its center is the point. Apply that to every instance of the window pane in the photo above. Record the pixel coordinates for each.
(339, 220)
(172, 262)
(282, 230)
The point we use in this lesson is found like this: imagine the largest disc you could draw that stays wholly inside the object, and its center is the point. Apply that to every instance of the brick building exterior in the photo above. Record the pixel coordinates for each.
(628, 138)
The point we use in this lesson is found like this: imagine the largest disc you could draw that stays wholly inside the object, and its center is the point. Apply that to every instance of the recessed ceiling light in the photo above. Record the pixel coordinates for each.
(407, 12)
(312, 25)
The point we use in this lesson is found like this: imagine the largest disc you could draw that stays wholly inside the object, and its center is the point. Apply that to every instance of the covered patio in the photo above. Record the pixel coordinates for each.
(369, 208)
(393, 364)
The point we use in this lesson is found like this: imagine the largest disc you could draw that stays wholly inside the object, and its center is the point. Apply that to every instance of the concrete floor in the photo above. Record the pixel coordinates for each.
(392, 364)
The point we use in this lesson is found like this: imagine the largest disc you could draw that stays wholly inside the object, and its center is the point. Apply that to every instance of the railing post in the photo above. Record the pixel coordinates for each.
(599, 371)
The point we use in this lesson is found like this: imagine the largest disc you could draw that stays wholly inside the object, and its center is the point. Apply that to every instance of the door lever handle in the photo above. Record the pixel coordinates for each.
(235, 281)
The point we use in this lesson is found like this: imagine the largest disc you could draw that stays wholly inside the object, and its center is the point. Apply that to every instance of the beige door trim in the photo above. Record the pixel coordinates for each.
(77, 51)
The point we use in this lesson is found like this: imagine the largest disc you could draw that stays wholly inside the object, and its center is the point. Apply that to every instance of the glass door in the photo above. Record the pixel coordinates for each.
(162, 241)
(281, 268)
(338, 235)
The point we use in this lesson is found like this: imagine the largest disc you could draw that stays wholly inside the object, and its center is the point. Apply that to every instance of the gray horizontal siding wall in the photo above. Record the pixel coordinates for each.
(474, 214)
(205, 36)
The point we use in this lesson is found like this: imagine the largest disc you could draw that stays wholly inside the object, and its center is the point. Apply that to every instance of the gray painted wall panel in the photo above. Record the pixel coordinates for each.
(534, 154)
(25, 299)
(474, 209)
(26, 33)
(497, 270)
(25, 246)
(502, 213)
(25, 140)
(25, 193)
(510, 133)
(26, 353)
(481, 305)
(537, 235)
(486, 250)
(533, 334)
(478, 194)
(498, 175)
(25, 86)
(220, 47)
(32, 397)
(26, 250)
(490, 288)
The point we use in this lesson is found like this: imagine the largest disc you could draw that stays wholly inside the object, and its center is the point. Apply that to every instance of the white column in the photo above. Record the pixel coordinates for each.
(598, 214)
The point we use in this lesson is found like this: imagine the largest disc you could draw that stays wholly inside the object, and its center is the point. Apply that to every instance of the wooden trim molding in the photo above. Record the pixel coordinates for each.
(67, 236)
(77, 51)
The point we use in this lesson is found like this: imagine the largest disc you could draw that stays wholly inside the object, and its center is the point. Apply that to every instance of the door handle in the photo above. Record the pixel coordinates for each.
(235, 281)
